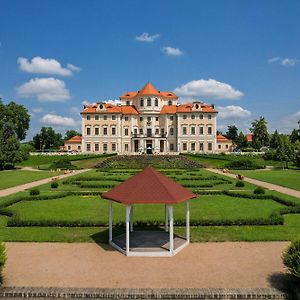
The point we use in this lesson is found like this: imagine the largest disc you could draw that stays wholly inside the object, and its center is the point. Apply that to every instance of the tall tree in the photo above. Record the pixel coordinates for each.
(294, 136)
(47, 138)
(275, 140)
(285, 150)
(260, 133)
(241, 141)
(232, 133)
(70, 133)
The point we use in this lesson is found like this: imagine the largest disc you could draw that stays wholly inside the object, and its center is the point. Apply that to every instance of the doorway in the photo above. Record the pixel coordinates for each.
(149, 146)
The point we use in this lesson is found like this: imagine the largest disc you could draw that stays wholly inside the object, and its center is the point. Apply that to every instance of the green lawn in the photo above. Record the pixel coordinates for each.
(287, 178)
(16, 177)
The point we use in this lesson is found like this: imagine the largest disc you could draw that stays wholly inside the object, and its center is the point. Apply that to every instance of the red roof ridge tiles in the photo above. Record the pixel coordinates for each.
(74, 139)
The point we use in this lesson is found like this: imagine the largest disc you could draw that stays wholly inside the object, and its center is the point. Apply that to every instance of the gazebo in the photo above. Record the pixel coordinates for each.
(149, 187)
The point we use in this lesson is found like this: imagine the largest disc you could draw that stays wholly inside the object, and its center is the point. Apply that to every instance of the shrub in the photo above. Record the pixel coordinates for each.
(259, 191)
(291, 259)
(2, 259)
(62, 163)
(34, 192)
(240, 184)
(54, 185)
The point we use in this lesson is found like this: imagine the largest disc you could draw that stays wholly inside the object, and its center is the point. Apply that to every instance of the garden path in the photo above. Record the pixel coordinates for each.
(23, 187)
(264, 184)
(200, 265)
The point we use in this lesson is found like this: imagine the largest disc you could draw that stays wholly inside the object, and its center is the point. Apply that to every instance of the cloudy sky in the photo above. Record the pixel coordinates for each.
(243, 56)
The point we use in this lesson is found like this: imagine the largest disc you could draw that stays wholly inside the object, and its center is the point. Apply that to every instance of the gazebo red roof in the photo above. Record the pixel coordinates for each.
(151, 187)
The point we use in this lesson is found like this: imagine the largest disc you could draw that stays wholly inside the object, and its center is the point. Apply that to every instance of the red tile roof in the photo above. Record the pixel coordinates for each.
(149, 89)
(74, 139)
(222, 138)
(110, 108)
(249, 137)
(185, 108)
(149, 186)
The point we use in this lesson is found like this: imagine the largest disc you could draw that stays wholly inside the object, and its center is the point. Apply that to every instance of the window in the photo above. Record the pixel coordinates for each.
(201, 146)
(171, 131)
(156, 119)
(149, 119)
(96, 130)
(209, 130)
(104, 147)
(219, 146)
(101, 106)
(78, 147)
(142, 102)
(193, 146)
(201, 130)
(105, 117)
(162, 131)
(184, 147)
(104, 130)
(184, 117)
(209, 117)
(127, 103)
(170, 102)
(135, 131)
(88, 147)
(148, 101)
(171, 118)
(69, 147)
(126, 131)
(226, 146)
(88, 117)
(149, 132)
(113, 147)
(156, 102)
(126, 118)
(88, 131)
(201, 116)
(141, 131)
(126, 148)
(113, 117)
(113, 131)
(96, 117)
(171, 147)
(141, 119)
(156, 131)
(193, 117)
(209, 146)
(96, 147)
(193, 130)
(197, 106)
(184, 130)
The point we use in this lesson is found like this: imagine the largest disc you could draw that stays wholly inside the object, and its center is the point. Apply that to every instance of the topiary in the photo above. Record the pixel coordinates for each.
(2, 259)
(34, 192)
(259, 191)
(54, 185)
(240, 184)
(291, 259)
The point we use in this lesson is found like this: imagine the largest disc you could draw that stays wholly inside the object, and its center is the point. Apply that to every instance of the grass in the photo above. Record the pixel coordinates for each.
(286, 178)
(16, 177)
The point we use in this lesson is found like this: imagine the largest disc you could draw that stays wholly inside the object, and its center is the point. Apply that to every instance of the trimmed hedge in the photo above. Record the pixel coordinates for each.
(259, 191)
(2, 259)
(243, 164)
(34, 192)
(291, 259)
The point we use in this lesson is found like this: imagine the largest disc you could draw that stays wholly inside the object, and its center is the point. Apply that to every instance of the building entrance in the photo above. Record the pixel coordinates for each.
(149, 147)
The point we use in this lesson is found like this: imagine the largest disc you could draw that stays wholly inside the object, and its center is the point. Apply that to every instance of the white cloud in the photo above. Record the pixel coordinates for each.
(37, 110)
(45, 66)
(208, 88)
(56, 120)
(87, 103)
(146, 37)
(286, 62)
(171, 51)
(44, 89)
(114, 101)
(232, 111)
(73, 68)
(288, 123)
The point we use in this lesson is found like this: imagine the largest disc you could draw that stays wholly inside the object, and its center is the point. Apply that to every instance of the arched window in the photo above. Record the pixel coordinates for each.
(127, 103)
(142, 102)
(148, 101)
(170, 102)
(156, 102)
(197, 106)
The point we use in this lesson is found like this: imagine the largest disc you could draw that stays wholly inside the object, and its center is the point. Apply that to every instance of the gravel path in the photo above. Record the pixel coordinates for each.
(264, 184)
(200, 265)
(23, 187)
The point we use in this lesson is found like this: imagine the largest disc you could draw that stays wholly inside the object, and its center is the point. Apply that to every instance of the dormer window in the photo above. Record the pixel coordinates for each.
(101, 106)
(156, 102)
(142, 102)
(127, 103)
(170, 102)
(197, 106)
(148, 101)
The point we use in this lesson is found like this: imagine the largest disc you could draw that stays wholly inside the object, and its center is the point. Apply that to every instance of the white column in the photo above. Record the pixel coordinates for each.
(127, 228)
(187, 203)
(110, 219)
(131, 218)
(171, 229)
(166, 218)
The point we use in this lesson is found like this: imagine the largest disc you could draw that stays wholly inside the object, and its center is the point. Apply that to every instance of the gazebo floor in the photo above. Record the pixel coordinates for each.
(149, 241)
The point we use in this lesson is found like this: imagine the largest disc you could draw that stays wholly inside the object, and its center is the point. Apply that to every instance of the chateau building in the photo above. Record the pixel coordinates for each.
(149, 121)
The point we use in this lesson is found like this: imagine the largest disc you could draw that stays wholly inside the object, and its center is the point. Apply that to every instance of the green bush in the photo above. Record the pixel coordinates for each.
(259, 191)
(34, 192)
(62, 163)
(240, 184)
(244, 164)
(291, 259)
(54, 185)
(2, 259)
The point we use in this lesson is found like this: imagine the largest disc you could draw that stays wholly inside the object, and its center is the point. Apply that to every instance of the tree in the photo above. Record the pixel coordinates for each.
(275, 140)
(260, 133)
(70, 133)
(285, 151)
(232, 133)
(47, 138)
(294, 137)
(241, 140)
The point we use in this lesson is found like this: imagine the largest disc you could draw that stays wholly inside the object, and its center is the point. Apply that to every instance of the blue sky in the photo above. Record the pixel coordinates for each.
(243, 56)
